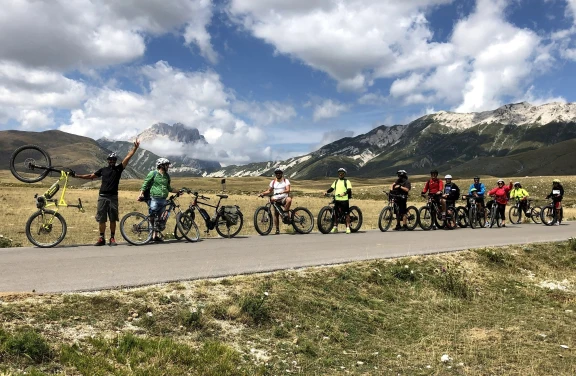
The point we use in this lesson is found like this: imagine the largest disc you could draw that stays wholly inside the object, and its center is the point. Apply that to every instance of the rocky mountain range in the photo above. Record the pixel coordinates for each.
(514, 140)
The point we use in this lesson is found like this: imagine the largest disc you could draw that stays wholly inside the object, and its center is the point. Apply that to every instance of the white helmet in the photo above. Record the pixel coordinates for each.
(162, 161)
(448, 177)
(500, 181)
(342, 169)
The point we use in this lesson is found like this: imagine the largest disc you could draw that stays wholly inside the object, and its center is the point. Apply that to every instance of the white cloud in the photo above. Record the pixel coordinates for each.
(265, 113)
(405, 86)
(329, 109)
(96, 33)
(372, 99)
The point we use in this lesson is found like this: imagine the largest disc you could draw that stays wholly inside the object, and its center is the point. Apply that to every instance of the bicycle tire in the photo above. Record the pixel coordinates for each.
(413, 217)
(227, 229)
(515, 215)
(263, 220)
(462, 214)
(16, 163)
(136, 228)
(356, 218)
(473, 217)
(547, 215)
(187, 227)
(43, 227)
(326, 219)
(425, 220)
(535, 215)
(385, 219)
(302, 220)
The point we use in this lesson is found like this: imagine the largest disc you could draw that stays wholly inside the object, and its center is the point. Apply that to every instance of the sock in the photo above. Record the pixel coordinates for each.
(102, 235)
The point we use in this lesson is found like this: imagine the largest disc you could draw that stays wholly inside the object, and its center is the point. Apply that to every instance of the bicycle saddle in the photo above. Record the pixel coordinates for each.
(222, 196)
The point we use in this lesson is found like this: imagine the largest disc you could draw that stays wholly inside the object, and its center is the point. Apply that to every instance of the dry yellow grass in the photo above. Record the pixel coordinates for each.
(17, 203)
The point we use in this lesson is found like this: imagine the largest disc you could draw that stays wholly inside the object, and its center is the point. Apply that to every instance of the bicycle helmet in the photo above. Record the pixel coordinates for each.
(473, 190)
(448, 177)
(342, 169)
(402, 173)
(278, 170)
(476, 177)
(556, 181)
(162, 161)
(112, 156)
(500, 181)
(434, 172)
(518, 184)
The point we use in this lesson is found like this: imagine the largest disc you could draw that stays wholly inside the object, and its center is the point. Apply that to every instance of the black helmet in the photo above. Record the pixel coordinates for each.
(476, 177)
(434, 172)
(402, 173)
(112, 156)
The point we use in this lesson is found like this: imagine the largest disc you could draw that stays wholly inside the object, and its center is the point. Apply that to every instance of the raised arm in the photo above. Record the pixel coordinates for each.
(131, 153)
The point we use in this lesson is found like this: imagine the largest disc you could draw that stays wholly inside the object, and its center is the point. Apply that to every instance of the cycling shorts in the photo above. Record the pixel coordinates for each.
(343, 206)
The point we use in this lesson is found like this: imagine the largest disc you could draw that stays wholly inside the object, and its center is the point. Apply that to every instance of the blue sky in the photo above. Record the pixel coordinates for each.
(271, 79)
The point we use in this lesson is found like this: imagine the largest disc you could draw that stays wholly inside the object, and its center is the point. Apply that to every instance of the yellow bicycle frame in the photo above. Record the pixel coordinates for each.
(61, 201)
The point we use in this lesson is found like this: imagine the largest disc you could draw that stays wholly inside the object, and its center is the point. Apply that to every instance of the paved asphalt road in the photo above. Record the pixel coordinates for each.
(81, 268)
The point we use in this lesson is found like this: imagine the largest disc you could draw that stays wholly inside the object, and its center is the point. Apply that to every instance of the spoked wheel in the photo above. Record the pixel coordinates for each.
(136, 228)
(46, 228)
(25, 163)
(462, 214)
(451, 221)
(535, 214)
(495, 219)
(385, 219)
(412, 217)
(325, 219)
(515, 215)
(263, 220)
(547, 215)
(355, 218)
(473, 217)
(227, 229)
(187, 227)
(425, 219)
(302, 220)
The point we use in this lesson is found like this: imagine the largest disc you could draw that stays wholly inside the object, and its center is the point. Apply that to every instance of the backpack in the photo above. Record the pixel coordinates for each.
(345, 187)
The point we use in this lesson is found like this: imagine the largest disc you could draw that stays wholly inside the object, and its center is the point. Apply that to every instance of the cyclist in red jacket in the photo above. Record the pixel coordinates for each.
(501, 198)
(434, 187)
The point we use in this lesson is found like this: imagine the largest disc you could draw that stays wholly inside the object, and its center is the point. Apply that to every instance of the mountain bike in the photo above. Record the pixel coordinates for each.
(462, 215)
(430, 216)
(476, 214)
(300, 218)
(227, 220)
(328, 217)
(515, 211)
(31, 164)
(550, 215)
(392, 209)
(493, 216)
(137, 228)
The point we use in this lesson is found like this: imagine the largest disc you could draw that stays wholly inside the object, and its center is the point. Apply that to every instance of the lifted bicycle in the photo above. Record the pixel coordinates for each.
(30, 164)
(300, 218)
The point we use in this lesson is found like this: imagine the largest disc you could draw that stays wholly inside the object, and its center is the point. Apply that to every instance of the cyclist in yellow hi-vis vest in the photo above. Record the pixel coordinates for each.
(342, 189)
(522, 195)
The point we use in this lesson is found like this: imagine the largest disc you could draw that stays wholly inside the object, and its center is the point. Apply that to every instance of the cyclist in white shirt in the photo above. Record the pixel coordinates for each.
(280, 187)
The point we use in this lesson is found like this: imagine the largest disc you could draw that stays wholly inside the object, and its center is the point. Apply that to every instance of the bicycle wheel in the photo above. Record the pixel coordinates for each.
(462, 214)
(46, 228)
(355, 218)
(481, 216)
(473, 217)
(425, 219)
(136, 228)
(451, 221)
(25, 156)
(515, 215)
(227, 229)
(302, 220)
(187, 227)
(547, 215)
(413, 218)
(535, 215)
(325, 219)
(263, 220)
(385, 218)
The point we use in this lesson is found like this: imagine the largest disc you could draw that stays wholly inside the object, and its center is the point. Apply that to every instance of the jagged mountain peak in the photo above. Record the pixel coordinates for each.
(515, 113)
(178, 132)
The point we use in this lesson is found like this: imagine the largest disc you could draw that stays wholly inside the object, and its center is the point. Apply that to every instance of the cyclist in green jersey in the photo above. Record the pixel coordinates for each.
(342, 189)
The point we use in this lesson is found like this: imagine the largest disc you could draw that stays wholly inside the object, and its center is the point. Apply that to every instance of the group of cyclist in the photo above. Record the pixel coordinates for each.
(445, 193)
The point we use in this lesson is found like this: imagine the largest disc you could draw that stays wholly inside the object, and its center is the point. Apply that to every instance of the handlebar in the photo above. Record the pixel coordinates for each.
(201, 197)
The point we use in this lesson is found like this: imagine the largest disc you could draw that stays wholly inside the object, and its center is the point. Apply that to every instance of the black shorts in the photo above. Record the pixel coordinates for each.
(343, 206)
(402, 204)
(107, 208)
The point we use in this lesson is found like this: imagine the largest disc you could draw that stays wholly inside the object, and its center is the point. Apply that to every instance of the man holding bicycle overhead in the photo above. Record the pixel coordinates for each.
(281, 188)
(108, 196)
(342, 189)
(158, 184)
(401, 187)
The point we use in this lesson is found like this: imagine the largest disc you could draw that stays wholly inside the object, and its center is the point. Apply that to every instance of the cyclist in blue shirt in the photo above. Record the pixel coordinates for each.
(479, 191)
